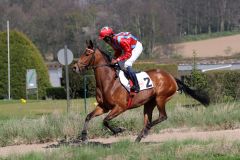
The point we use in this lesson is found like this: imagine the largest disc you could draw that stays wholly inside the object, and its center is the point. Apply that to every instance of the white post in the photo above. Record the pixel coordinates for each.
(9, 88)
(67, 77)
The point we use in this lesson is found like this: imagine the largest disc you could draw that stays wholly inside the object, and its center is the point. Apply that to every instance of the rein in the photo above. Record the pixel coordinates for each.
(88, 66)
(96, 66)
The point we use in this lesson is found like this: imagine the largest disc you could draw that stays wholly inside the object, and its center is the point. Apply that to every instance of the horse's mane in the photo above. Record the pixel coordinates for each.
(106, 56)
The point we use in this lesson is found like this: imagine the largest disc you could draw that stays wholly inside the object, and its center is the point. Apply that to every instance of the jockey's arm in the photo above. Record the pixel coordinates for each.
(117, 53)
(126, 49)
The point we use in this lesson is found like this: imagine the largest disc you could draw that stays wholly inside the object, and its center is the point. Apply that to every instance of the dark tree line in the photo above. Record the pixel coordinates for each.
(52, 23)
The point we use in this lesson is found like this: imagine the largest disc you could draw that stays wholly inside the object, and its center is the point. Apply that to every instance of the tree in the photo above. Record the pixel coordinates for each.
(52, 23)
(24, 55)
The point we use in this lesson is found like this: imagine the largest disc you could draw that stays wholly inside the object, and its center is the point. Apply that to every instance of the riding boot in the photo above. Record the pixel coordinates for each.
(136, 87)
(133, 77)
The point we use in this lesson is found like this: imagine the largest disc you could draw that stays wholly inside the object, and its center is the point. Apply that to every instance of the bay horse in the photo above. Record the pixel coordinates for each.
(112, 97)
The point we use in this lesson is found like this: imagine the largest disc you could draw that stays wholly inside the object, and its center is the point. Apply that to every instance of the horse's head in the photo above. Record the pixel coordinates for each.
(86, 59)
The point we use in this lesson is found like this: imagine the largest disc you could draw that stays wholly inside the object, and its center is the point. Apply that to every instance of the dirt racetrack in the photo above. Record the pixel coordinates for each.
(223, 46)
(169, 134)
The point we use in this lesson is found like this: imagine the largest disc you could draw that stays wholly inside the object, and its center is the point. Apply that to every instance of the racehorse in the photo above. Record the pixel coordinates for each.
(112, 97)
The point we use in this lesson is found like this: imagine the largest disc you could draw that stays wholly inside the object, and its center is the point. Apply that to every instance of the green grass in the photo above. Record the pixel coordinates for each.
(14, 109)
(125, 150)
(208, 36)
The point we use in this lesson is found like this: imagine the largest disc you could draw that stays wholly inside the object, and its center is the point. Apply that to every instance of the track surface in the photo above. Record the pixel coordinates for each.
(222, 46)
(170, 134)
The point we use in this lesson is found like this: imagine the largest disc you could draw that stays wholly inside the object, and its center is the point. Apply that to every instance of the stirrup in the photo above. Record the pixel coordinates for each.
(135, 89)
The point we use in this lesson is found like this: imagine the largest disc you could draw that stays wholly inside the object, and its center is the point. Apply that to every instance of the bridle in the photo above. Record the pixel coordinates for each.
(91, 61)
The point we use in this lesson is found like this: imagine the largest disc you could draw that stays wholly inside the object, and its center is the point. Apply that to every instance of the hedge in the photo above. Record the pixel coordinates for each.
(171, 68)
(23, 55)
(222, 85)
(76, 83)
(56, 93)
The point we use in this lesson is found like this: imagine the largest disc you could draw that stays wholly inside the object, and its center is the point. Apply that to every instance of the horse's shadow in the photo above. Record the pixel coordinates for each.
(79, 144)
(191, 105)
(94, 144)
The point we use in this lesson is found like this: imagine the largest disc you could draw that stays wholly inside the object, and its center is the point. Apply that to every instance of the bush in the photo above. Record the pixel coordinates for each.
(171, 68)
(23, 55)
(197, 80)
(222, 86)
(56, 93)
(76, 83)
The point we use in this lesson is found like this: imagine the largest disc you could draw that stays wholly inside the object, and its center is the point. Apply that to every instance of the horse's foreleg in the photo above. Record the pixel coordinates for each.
(96, 112)
(114, 113)
(148, 109)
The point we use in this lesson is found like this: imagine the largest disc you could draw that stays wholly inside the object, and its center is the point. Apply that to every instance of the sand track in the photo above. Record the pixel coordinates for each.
(170, 134)
(221, 46)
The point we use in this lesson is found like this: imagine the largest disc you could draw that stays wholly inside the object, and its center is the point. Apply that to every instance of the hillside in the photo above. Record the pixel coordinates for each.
(52, 23)
(223, 46)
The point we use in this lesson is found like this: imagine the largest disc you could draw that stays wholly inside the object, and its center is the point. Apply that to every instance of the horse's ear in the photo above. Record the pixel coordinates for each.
(91, 44)
(95, 43)
(87, 43)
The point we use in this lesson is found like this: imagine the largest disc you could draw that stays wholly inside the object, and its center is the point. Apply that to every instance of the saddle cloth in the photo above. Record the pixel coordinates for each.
(144, 81)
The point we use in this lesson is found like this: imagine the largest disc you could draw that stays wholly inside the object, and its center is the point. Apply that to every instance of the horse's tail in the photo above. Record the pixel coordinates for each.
(203, 98)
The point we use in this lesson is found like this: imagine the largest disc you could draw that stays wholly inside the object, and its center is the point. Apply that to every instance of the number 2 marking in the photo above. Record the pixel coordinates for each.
(148, 82)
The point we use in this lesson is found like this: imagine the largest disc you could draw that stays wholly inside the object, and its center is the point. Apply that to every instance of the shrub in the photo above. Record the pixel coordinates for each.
(197, 80)
(171, 68)
(23, 55)
(222, 85)
(56, 93)
(76, 83)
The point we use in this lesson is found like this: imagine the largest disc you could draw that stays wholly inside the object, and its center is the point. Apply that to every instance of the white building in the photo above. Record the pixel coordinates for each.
(55, 73)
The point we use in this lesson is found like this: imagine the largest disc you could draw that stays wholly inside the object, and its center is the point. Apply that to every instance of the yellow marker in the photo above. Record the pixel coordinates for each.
(23, 101)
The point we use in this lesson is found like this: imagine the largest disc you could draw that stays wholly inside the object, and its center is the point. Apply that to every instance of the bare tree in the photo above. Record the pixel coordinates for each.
(52, 23)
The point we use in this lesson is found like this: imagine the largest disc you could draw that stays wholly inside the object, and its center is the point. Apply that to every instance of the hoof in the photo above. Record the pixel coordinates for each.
(145, 134)
(78, 141)
(85, 141)
(84, 138)
(138, 139)
(119, 130)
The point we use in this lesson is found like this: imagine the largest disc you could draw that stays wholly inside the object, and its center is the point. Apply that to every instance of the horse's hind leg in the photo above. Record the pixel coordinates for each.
(96, 112)
(162, 116)
(161, 101)
(148, 109)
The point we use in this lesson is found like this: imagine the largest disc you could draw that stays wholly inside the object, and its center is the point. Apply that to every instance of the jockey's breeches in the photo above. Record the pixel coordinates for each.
(135, 54)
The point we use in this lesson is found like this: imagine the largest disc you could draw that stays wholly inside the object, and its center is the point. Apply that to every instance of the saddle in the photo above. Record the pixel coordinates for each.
(143, 78)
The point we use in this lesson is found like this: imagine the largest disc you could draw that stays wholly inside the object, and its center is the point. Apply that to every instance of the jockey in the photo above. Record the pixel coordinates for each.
(127, 49)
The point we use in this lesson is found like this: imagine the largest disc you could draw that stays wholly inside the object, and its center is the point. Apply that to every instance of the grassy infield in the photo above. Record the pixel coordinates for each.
(41, 121)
